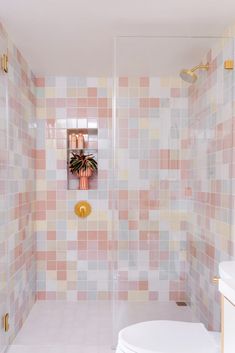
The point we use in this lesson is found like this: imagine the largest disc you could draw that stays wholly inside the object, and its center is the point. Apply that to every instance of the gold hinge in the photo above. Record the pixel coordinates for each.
(228, 64)
(4, 63)
(6, 325)
(215, 280)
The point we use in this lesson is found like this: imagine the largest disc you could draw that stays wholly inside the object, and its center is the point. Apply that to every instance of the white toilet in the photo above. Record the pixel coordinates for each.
(168, 337)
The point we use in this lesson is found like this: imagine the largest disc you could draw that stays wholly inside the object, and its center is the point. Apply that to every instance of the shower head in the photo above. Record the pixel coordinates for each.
(189, 75)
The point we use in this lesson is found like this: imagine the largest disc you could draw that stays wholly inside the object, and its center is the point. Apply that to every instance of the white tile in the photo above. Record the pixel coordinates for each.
(105, 349)
(92, 82)
(86, 327)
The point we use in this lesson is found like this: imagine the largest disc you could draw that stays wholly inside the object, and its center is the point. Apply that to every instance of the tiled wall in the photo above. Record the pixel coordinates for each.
(73, 254)
(18, 187)
(209, 143)
(158, 177)
(173, 167)
(151, 258)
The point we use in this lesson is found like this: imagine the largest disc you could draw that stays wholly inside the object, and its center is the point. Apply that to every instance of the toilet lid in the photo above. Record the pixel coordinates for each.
(167, 337)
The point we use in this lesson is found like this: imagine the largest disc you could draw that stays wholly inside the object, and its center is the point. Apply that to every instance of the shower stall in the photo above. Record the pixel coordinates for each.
(173, 144)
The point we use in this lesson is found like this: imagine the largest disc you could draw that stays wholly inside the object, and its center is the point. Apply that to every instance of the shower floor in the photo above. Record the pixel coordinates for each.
(86, 327)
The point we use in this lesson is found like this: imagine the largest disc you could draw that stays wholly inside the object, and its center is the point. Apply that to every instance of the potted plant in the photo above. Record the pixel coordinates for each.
(83, 166)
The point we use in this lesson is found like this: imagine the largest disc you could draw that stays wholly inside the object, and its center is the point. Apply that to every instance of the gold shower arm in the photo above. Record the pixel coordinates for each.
(200, 66)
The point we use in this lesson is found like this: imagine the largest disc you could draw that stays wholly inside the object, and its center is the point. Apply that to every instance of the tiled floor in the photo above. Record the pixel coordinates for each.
(86, 327)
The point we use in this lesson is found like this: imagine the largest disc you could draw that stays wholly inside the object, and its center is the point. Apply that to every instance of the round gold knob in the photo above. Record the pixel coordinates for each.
(82, 209)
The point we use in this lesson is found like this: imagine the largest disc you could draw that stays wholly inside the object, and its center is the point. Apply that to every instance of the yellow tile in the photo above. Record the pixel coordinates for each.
(133, 81)
(123, 174)
(102, 82)
(49, 92)
(144, 123)
(154, 134)
(41, 113)
(72, 275)
(103, 296)
(71, 92)
(164, 82)
(61, 286)
(138, 295)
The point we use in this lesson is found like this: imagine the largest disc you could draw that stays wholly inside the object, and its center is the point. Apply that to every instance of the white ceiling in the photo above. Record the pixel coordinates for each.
(75, 37)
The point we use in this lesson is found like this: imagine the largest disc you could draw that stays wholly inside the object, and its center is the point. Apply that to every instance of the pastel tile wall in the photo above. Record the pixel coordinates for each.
(73, 254)
(151, 227)
(172, 187)
(3, 193)
(148, 252)
(208, 147)
(18, 187)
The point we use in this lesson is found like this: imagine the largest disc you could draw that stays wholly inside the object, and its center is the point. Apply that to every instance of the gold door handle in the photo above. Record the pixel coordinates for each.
(6, 325)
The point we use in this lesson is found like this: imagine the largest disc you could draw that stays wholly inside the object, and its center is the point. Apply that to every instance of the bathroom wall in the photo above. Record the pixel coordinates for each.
(18, 187)
(151, 259)
(73, 254)
(208, 147)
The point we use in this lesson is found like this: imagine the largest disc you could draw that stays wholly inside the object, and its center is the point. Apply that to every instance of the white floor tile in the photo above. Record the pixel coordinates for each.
(86, 327)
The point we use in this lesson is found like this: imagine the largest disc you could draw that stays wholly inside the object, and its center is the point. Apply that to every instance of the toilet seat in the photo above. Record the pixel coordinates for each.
(166, 337)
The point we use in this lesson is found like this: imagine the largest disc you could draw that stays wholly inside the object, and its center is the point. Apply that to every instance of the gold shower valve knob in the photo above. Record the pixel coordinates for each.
(82, 209)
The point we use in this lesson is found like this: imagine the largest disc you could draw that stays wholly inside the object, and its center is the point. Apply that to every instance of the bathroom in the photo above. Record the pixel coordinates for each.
(139, 246)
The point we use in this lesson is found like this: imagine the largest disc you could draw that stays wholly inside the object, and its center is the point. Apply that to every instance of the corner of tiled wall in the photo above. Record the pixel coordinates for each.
(19, 187)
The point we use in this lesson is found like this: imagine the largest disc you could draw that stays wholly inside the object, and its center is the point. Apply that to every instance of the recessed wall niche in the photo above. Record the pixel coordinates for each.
(81, 141)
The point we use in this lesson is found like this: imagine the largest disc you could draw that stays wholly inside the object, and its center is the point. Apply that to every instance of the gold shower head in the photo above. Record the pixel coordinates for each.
(189, 75)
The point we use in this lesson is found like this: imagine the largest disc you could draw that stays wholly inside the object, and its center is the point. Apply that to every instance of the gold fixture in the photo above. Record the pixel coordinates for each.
(6, 325)
(82, 209)
(4, 63)
(228, 64)
(189, 75)
(215, 280)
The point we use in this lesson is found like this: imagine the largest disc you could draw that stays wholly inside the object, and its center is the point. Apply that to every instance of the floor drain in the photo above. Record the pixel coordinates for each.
(181, 303)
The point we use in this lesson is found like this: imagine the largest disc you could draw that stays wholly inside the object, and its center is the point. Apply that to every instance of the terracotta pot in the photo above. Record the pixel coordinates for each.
(84, 175)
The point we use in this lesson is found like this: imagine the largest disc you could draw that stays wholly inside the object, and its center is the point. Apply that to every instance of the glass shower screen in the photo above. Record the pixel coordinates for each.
(165, 131)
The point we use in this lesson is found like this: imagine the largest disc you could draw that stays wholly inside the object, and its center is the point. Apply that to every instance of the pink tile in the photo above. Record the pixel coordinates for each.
(123, 81)
(40, 82)
(92, 92)
(144, 81)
